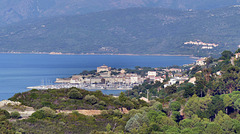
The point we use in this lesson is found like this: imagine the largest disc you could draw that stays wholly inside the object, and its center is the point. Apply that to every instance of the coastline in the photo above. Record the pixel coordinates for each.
(59, 53)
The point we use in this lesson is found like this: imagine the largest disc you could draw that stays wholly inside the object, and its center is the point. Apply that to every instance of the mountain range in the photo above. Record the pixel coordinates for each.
(12, 11)
(127, 31)
(138, 27)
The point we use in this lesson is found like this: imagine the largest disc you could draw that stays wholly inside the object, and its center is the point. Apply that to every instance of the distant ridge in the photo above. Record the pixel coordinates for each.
(127, 31)
(12, 11)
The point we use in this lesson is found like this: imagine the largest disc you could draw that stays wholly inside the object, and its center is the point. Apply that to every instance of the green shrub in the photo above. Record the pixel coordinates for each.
(91, 99)
(74, 94)
(102, 103)
(33, 95)
(33, 90)
(4, 114)
(117, 102)
(15, 115)
(43, 113)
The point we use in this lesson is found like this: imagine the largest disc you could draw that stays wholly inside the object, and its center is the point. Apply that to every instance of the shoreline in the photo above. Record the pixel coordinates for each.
(59, 53)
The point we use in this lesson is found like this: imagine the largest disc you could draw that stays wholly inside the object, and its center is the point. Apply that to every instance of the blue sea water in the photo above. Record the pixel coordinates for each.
(18, 71)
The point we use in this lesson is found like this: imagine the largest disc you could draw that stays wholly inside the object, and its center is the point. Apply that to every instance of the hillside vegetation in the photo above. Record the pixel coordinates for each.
(135, 31)
(73, 99)
(209, 106)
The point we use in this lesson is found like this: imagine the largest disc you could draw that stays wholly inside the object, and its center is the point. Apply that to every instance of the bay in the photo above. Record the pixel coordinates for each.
(18, 71)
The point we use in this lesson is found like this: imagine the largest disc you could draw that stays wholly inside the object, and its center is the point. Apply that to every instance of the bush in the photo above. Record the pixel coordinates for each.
(91, 99)
(117, 102)
(102, 103)
(4, 114)
(175, 106)
(74, 94)
(43, 113)
(15, 115)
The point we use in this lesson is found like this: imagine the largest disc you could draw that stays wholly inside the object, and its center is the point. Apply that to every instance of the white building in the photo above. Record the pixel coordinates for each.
(237, 55)
(152, 73)
(192, 80)
(175, 70)
(159, 79)
(103, 68)
(134, 79)
(201, 62)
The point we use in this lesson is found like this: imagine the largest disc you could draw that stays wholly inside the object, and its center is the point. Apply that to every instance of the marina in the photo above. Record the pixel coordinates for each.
(19, 71)
(83, 86)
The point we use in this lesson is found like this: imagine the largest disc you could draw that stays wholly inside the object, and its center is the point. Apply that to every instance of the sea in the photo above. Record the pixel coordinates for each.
(19, 71)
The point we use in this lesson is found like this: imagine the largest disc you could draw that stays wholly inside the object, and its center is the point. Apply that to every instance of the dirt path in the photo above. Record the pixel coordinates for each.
(12, 106)
(84, 112)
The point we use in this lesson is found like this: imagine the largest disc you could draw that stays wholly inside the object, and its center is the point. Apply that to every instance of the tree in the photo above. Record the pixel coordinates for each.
(213, 128)
(187, 131)
(132, 123)
(128, 104)
(154, 127)
(196, 105)
(237, 104)
(200, 86)
(171, 89)
(188, 90)
(237, 51)
(43, 113)
(209, 61)
(176, 116)
(74, 94)
(4, 114)
(186, 123)
(165, 121)
(220, 118)
(157, 106)
(230, 78)
(213, 108)
(91, 99)
(226, 55)
(155, 116)
(173, 130)
(6, 127)
(227, 102)
(122, 97)
(108, 127)
(175, 106)
(15, 115)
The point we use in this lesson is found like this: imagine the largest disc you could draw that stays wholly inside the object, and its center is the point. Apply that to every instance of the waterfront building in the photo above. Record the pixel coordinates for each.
(201, 62)
(237, 55)
(63, 80)
(175, 70)
(103, 68)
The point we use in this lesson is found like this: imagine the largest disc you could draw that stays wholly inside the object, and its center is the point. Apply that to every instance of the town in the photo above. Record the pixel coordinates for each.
(125, 79)
(200, 43)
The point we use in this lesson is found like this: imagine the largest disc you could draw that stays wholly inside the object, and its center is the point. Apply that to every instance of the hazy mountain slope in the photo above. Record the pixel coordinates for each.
(135, 30)
(17, 10)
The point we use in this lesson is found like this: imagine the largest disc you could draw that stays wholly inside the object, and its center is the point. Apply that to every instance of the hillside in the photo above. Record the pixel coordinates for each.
(16, 10)
(210, 105)
(134, 30)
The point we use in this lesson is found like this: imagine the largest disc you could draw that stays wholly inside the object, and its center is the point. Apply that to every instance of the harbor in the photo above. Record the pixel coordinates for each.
(83, 86)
